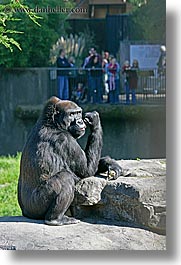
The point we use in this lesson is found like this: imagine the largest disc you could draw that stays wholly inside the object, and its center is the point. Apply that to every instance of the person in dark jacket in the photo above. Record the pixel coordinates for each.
(95, 67)
(126, 68)
(133, 80)
(63, 85)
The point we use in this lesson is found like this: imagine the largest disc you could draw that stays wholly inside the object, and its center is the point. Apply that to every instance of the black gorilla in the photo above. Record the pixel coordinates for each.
(52, 161)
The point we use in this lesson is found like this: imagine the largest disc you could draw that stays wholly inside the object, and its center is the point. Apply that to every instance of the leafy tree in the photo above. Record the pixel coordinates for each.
(148, 22)
(7, 11)
(36, 41)
(138, 3)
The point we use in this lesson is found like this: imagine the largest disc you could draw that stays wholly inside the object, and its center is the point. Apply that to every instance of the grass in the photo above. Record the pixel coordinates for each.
(9, 173)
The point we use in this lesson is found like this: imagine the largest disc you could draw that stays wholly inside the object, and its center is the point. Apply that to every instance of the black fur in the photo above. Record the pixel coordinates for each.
(52, 161)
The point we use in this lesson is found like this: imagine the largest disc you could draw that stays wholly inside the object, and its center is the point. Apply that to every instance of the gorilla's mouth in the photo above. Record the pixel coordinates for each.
(82, 129)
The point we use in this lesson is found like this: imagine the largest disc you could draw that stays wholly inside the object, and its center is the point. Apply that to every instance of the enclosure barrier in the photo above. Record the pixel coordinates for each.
(151, 86)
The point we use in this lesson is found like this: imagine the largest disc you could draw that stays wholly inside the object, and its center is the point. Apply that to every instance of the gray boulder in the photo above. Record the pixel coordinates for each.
(117, 215)
(20, 233)
(139, 196)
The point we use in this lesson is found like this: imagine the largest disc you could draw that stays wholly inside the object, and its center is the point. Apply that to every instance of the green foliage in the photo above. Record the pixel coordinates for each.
(7, 13)
(90, 41)
(36, 41)
(9, 173)
(77, 45)
(137, 3)
(149, 22)
(73, 46)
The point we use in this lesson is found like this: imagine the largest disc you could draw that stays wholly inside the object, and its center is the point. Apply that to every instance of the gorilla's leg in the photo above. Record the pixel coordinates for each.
(51, 199)
(63, 186)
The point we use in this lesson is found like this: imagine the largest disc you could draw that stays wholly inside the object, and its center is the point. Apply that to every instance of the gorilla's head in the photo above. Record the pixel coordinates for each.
(65, 114)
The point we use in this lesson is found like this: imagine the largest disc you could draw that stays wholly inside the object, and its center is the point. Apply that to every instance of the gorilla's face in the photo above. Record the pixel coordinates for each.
(65, 115)
(76, 123)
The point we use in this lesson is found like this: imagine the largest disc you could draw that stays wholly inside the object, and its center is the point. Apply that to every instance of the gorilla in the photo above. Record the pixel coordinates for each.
(52, 161)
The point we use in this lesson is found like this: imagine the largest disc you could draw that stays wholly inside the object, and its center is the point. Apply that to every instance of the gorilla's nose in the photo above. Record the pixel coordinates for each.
(81, 124)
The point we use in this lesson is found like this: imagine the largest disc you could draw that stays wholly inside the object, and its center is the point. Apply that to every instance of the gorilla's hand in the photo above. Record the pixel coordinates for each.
(109, 165)
(114, 170)
(92, 119)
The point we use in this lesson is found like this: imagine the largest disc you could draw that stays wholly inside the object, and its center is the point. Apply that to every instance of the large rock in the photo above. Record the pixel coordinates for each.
(139, 196)
(116, 215)
(20, 233)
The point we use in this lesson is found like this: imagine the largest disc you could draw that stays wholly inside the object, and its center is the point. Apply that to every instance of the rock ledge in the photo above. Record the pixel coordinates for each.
(139, 197)
(20, 233)
(125, 214)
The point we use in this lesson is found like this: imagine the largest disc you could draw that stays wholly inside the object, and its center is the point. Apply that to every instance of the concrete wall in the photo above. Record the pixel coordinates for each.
(19, 86)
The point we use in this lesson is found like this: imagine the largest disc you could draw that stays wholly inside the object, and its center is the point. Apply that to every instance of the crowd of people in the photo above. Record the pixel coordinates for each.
(102, 77)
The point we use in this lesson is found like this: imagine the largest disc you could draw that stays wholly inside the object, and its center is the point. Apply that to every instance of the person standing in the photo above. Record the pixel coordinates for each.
(133, 80)
(63, 85)
(92, 52)
(72, 76)
(95, 67)
(113, 70)
(105, 62)
(162, 61)
(126, 68)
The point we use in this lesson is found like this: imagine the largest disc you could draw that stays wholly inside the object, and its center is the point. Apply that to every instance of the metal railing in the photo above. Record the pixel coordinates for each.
(151, 87)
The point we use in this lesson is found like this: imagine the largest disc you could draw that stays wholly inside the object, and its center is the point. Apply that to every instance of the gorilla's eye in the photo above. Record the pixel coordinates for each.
(72, 116)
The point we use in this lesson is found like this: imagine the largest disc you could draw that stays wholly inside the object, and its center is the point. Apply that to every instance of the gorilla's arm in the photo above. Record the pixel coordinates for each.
(89, 163)
(104, 164)
(93, 149)
(85, 163)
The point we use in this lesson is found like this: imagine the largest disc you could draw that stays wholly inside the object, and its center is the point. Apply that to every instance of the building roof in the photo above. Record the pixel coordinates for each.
(90, 9)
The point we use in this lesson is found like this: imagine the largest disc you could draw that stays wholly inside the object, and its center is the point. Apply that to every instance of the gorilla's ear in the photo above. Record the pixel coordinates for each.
(50, 110)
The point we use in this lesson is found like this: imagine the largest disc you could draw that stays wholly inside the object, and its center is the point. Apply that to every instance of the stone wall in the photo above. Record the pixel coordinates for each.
(19, 86)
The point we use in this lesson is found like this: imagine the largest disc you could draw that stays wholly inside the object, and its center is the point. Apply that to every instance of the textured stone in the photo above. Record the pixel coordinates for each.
(139, 196)
(21, 233)
(116, 215)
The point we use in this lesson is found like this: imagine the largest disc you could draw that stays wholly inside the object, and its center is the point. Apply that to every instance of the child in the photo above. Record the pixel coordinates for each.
(112, 70)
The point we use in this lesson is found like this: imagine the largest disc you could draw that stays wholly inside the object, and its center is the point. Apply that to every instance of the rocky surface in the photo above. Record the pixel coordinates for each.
(139, 196)
(21, 233)
(124, 214)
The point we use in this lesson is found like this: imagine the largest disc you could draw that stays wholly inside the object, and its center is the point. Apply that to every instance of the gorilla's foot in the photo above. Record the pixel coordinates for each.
(65, 220)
